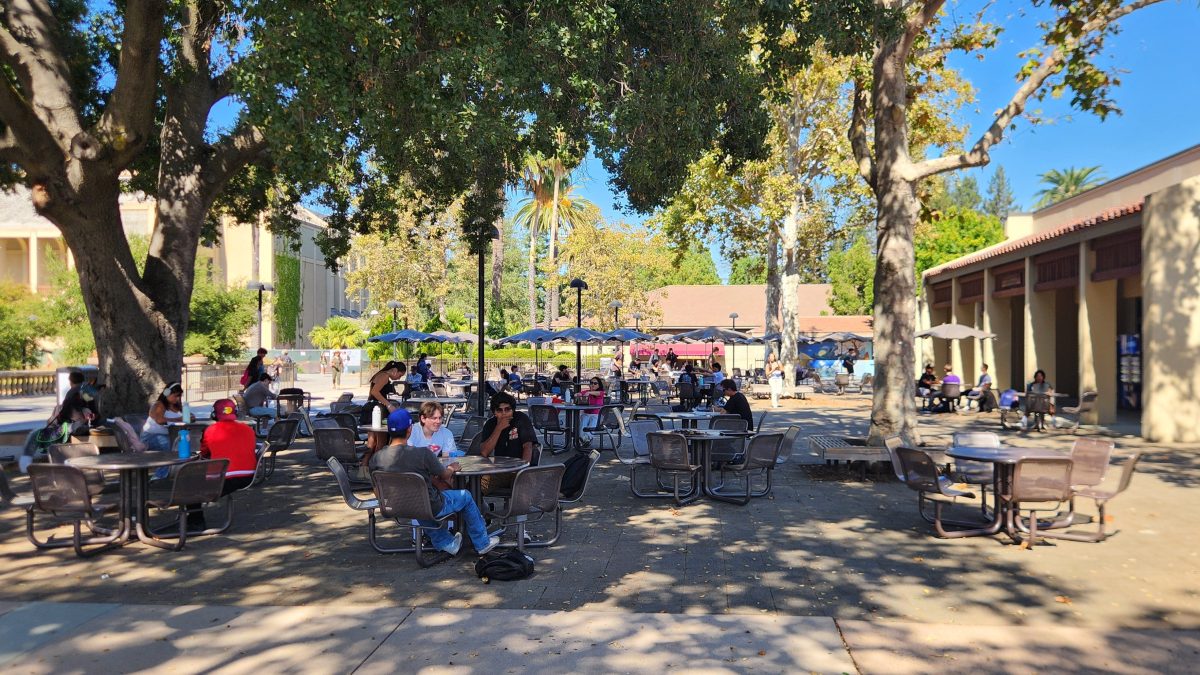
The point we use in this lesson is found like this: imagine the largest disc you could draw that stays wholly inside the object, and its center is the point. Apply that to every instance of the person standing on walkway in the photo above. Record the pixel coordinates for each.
(774, 378)
(336, 364)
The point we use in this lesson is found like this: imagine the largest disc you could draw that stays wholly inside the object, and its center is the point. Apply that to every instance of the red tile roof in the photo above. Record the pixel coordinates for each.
(1036, 238)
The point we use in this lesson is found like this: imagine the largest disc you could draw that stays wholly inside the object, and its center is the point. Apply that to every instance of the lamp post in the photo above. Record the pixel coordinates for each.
(733, 321)
(394, 305)
(470, 316)
(616, 306)
(260, 287)
(637, 321)
(580, 286)
(486, 233)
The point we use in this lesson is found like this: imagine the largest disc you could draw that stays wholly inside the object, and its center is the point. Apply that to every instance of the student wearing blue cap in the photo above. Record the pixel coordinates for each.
(400, 457)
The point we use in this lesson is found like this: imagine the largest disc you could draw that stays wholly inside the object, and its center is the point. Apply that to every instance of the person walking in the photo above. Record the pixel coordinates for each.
(336, 364)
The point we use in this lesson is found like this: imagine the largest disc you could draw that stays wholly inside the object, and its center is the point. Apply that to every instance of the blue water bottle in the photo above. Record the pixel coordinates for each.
(185, 446)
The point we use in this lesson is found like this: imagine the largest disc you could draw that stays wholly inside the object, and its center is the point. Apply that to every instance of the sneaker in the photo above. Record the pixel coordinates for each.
(493, 542)
(528, 538)
(454, 546)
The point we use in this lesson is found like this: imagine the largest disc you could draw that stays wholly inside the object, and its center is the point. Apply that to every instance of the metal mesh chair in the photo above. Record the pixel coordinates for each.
(1101, 496)
(545, 420)
(1087, 403)
(922, 475)
(1037, 406)
(337, 443)
(969, 471)
(59, 453)
(280, 437)
(727, 449)
(405, 497)
(759, 460)
(472, 426)
(892, 443)
(669, 457)
(686, 391)
(758, 426)
(343, 480)
(326, 422)
(195, 483)
(841, 381)
(535, 494)
(789, 443)
(637, 452)
(609, 424)
(1039, 480)
(61, 492)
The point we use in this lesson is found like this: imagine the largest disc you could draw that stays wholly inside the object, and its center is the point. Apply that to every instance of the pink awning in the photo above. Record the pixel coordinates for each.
(694, 350)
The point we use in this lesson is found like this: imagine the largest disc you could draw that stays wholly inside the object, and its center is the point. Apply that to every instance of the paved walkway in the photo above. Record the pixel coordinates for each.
(63, 638)
(830, 574)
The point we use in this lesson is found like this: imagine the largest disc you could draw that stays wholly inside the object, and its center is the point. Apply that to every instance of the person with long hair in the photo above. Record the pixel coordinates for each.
(774, 378)
(166, 409)
(383, 384)
(595, 397)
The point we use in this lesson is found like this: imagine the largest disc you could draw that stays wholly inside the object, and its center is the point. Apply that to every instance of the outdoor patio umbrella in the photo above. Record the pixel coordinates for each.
(534, 336)
(622, 335)
(406, 335)
(577, 335)
(713, 334)
(845, 336)
(778, 337)
(954, 331)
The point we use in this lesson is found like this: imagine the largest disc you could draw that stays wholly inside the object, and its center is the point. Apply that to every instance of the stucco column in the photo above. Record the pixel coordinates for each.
(921, 348)
(1039, 329)
(1171, 314)
(993, 319)
(34, 266)
(1097, 339)
(956, 361)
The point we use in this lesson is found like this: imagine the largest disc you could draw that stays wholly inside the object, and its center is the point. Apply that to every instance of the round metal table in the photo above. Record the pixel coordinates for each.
(134, 470)
(689, 419)
(475, 467)
(1004, 460)
(702, 441)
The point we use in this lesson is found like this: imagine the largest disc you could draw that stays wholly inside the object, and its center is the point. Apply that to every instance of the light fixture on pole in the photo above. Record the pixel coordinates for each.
(470, 317)
(260, 287)
(394, 305)
(616, 306)
(637, 321)
(733, 320)
(580, 286)
(486, 233)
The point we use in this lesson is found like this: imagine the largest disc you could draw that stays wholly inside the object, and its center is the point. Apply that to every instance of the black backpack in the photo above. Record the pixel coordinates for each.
(509, 565)
(574, 474)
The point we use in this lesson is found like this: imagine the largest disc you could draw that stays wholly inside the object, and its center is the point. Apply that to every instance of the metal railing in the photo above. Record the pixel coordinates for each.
(201, 382)
(27, 383)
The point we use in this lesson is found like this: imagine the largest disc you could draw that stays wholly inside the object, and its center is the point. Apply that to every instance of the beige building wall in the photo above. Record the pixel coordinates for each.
(1171, 313)
(1041, 326)
(1097, 339)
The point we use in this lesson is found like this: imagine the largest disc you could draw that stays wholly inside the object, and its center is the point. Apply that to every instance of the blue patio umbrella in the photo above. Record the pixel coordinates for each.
(534, 336)
(577, 335)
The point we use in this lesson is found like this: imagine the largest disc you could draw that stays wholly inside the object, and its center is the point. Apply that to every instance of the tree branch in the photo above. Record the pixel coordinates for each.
(128, 119)
(232, 153)
(24, 130)
(41, 67)
(858, 133)
(978, 154)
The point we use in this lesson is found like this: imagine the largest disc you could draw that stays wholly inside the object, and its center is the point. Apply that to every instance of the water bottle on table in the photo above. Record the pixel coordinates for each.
(184, 445)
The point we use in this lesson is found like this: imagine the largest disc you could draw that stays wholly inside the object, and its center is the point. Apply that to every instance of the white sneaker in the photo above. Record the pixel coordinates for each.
(493, 542)
(455, 545)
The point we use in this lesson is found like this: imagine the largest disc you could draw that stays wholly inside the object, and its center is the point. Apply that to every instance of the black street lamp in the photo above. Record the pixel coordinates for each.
(487, 232)
(470, 316)
(616, 306)
(260, 287)
(637, 321)
(580, 286)
(394, 305)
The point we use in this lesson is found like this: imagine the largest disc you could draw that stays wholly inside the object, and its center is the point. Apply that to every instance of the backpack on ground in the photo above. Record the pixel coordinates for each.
(510, 565)
(574, 474)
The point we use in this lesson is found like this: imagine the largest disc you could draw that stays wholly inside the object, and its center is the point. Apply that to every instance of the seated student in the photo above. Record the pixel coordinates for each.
(982, 390)
(591, 417)
(257, 395)
(227, 439)
(948, 378)
(75, 409)
(397, 456)
(925, 386)
(509, 433)
(736, 403)
(430, 433)
(561, 376)
(514, 379)
(166, 409)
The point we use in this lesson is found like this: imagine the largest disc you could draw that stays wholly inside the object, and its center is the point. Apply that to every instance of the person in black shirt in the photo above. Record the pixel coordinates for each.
(75, 409)
(925, 386)
(736, 403)
(508, 433)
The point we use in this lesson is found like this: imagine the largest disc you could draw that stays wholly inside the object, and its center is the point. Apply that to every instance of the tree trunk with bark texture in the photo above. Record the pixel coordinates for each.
(789, 283)
(533, 276)
(498, 260)
(771, 321)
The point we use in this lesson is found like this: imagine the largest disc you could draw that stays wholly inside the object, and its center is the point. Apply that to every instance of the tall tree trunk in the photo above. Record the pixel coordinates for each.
(498, 261)
(552, 279)
(789, 292)
(533, 274)
(771, 321)
(894, 409)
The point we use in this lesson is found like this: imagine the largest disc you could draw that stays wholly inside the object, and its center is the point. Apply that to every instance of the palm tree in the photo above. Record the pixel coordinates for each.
(1068, 183)
(551, 203)
(337, 332)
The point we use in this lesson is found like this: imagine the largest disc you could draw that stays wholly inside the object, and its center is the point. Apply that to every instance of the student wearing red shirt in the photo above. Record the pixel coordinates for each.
(232, 440)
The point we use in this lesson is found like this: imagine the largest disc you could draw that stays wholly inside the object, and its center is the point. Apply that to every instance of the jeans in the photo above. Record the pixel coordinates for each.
(262, 410)
(587, 421)
(157, 442)
(459, 501)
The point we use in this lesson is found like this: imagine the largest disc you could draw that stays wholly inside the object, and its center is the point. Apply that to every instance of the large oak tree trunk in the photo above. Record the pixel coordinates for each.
(894, 408)
(789, 293)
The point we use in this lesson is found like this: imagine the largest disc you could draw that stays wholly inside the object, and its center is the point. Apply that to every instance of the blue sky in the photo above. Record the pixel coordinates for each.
(1159, 96)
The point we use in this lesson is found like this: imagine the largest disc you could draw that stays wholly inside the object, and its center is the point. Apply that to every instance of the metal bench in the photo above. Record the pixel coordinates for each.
(834, 449)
